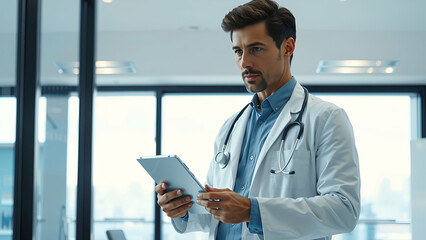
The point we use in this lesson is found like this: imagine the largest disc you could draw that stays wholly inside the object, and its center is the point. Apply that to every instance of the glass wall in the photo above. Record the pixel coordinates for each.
(7, 158)
(56, 171)
(124, 129)
(382, 130)
(190, 125)
(8, 40)
(124, 125)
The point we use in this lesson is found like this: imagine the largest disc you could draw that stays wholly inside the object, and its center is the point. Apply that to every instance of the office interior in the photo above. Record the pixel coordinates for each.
(159, 77)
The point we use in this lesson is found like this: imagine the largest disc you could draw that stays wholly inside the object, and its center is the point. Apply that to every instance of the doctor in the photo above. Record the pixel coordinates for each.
(273, 185)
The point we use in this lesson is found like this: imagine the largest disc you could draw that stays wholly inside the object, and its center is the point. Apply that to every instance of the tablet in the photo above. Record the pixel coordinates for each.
(171, 170)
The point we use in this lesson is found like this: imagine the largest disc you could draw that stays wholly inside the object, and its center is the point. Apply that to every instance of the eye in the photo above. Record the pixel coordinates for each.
(256, 50)
(238, 52)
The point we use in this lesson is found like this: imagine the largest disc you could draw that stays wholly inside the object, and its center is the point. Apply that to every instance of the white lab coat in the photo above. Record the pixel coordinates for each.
(322, 198)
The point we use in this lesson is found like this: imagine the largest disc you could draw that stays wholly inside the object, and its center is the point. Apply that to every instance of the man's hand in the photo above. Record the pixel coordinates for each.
(225, 205)
(174, 208)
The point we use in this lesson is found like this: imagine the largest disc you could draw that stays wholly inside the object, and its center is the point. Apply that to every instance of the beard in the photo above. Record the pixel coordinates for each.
(251, 86)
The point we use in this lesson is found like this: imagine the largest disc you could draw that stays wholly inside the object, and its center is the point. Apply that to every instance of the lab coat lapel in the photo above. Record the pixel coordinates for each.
(235, 143)
(293, 105)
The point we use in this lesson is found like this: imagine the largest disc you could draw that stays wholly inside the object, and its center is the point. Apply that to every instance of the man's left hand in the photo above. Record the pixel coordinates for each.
(225, 205)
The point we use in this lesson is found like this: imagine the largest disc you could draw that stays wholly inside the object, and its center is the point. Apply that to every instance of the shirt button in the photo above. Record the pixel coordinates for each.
(251, 158)
(260, 121)
(276, 109)
(243, 187)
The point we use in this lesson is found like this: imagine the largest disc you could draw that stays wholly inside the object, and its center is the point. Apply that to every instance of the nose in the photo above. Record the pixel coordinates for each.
(246, 61)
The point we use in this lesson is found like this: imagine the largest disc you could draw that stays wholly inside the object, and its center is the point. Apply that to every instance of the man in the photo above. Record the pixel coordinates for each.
(291, 189)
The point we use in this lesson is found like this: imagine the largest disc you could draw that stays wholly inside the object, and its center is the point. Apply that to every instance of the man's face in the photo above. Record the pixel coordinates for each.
(260, 61)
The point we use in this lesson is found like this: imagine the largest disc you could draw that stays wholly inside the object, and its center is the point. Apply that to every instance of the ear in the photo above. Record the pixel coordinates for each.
(287, 47)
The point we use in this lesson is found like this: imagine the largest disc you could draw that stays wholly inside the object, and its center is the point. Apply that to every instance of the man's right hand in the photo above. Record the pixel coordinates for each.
(174, 208)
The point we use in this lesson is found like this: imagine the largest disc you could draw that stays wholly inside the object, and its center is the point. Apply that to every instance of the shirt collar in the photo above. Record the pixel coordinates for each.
(278, 99)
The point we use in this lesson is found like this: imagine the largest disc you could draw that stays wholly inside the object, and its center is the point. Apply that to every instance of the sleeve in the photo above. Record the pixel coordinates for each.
(193, 223)
(255, 223)
(185, 218)
(336, 207)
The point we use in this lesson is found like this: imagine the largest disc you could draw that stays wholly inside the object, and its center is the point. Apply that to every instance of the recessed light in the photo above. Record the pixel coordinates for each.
(102, 67)
(107, 1)
(389, 70)
(357, 66)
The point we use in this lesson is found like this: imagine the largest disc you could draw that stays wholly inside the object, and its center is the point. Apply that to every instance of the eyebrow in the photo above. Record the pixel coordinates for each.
(250, 45)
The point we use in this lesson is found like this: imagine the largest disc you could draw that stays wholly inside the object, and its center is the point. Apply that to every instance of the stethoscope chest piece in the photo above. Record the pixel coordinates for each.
(222, 158)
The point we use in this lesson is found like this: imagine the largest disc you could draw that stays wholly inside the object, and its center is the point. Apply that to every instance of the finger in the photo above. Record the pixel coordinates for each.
(169, 196)
(176, 204)
(180, 211)
(161, 188)
(210, 204)
(210, 195)
(217, 217)
(211, 189)
(213, 211)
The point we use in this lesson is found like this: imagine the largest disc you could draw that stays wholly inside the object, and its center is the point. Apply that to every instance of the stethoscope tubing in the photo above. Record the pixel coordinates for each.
(225, 156)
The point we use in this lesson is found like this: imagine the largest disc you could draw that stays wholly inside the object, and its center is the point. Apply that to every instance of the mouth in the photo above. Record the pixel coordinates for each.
(250, 77)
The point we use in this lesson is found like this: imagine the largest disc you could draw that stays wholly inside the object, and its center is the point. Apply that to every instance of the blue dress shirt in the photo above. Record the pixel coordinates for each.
(258, 127)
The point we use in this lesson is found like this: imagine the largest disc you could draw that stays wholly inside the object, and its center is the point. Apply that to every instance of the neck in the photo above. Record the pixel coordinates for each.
(261, 96)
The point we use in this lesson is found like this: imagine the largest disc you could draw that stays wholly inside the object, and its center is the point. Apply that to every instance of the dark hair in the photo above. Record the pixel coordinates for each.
(279, 21)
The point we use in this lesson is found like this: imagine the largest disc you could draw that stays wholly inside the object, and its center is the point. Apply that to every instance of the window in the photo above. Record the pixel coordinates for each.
(382, 127)
(8, 55)
(190, 125)
(382, 130)
(8, 120)
(124, 129)
(7, 159)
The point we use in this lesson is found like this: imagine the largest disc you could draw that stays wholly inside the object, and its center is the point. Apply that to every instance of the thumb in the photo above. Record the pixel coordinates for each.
(210, 189)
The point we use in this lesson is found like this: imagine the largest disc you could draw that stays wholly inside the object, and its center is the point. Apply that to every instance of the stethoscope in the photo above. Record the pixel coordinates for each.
(222, 158)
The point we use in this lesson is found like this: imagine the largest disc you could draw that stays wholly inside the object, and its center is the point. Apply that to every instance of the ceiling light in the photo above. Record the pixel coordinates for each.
(107, 1)
(389, 70)
(102, 67)
(357, 66)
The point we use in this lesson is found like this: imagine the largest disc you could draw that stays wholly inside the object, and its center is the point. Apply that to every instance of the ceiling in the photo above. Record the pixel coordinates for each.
(180, 42)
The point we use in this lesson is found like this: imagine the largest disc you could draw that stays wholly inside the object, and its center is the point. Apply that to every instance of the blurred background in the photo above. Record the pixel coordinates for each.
(166, 66)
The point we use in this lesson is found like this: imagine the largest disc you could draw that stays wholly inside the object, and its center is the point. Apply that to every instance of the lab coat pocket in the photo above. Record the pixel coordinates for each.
(297, 175)
(288, 163)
